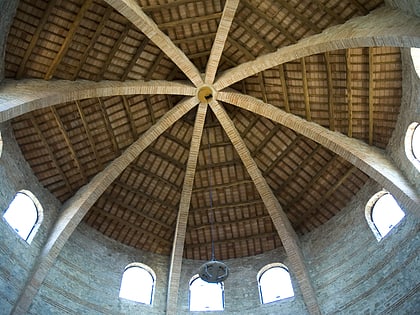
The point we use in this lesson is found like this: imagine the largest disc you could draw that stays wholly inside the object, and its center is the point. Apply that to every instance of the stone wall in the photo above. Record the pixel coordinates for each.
(16, 256)
(8, 10)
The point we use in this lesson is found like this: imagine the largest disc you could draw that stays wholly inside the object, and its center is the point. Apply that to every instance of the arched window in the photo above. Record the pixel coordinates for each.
(383, 213)
(412, 144)
(415, 55)
(24, 215)
(205, 296)
(274, 283)
(138, 283)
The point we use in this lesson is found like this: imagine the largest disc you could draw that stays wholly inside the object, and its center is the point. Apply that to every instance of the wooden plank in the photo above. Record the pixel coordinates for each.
(67, 41)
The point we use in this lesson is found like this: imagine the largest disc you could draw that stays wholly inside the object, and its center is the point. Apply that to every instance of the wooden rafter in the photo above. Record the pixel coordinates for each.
(127, 110)
(192, 20)
(65, 135)
(35, 38)
(371, 94)
(67, 41)
(269, 21)
(305, 90)
(92, 41)
(135, 58)
(88, 134)
(115, 48)
(349, 92)
(330, 91)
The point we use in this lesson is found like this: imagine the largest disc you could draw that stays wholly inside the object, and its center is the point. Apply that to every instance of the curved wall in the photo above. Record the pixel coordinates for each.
(17, 256)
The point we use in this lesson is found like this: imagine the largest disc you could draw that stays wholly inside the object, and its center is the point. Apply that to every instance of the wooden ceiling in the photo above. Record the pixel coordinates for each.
(356, 92)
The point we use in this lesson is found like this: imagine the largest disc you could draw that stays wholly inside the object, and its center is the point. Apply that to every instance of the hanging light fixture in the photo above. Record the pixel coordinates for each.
(213, 271)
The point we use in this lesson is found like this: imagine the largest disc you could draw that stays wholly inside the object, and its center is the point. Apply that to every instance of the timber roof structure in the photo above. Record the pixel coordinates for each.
(181, 169)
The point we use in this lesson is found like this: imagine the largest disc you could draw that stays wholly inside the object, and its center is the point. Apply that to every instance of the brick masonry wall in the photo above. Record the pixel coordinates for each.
(17, 256)
(86, 278)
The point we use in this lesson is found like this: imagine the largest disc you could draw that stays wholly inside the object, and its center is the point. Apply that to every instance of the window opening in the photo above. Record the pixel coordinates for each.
(274, 283)
(1, 144)
(24, 215)
(205, 296)
(415, 56)
(412, 144)
(383, 213)
(138, 283)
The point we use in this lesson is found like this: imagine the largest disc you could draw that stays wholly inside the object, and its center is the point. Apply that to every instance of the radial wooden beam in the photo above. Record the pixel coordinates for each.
(368, 159)
(382, 27)
(284, 229)
(132, 11)
(184, 206)
(76, 207)
(20, 97)
(220, 40)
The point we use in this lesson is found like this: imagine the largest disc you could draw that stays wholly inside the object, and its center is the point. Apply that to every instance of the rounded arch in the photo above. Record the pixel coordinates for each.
(205, 296)
(382, 213)
(412, 143)
(274, 283)
(138, 283)
(24, 214)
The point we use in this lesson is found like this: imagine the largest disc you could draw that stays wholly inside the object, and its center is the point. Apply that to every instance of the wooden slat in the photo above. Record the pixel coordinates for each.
(135, 58)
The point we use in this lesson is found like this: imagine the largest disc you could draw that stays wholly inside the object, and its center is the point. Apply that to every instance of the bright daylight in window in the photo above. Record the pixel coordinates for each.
(206, 296)
(386, 213)
(275, 284)
(22, 215)
(415, 142)
(137, 285)
(415, 55)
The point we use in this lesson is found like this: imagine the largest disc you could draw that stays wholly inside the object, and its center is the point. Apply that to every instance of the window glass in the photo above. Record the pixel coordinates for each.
(415, 55)
(23, 215)
(275, 284)
(137, 284)
(386, 213)
(206, 296)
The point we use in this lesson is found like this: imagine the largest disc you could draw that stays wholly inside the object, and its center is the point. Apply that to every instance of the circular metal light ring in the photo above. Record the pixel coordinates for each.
(213, 271)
